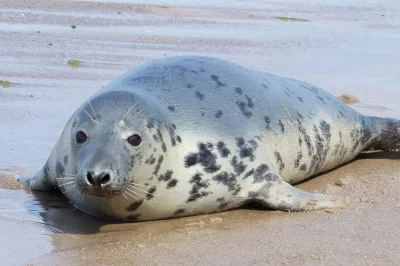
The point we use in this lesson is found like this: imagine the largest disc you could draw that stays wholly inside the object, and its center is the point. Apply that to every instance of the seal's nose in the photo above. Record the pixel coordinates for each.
(99, 180)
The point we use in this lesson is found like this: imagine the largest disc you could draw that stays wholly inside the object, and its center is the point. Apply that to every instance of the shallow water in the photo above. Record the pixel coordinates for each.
(345, 47)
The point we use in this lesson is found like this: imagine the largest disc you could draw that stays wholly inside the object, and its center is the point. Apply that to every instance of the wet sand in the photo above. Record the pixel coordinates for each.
(345, 47)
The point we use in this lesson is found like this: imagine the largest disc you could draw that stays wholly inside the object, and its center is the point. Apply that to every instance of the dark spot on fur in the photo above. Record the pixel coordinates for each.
(150, 124)
(205, 157)
(227, 179)
(265, 86)
(221, 199)
(46, 171)
(280, 123)
(246, 150)
(189, 86)
(167, 176)
(171, 108)
(249, 173)
(303, 167)
(150, 193)
(150, 160)
(250, 103)
(299, 115)
(218, 114)
(245, 106)
(172, 183)
(300, 99)
(297, 161)
(178, 138)
(279, 161)
(262, 174)
(164, 147)
(60, 168)
(198, 189)
(325, 129)
(158, 165)
(238, 167)
(260, 171)
(191, 160)
(216, 79)
(238, 90)
(200, 95)
(65, 159)
(267, 122)
(222, 149)
(134, 206)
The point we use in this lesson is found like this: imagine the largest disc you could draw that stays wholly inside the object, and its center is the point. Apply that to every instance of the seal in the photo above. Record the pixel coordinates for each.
(191, 135)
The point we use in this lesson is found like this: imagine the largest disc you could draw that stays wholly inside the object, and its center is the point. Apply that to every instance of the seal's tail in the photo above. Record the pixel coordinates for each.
(388, 134)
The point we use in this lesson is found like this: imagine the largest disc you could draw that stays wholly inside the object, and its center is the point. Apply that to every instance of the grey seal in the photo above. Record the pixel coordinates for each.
(191, 135)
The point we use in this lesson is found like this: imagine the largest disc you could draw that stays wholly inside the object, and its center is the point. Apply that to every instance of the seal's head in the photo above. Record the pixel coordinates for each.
(109, 138)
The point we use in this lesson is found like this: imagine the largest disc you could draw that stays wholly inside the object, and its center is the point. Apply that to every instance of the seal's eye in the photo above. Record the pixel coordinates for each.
(135, 140)
(81, 137)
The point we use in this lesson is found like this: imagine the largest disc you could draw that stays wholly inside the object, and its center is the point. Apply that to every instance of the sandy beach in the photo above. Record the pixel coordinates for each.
(342, 46)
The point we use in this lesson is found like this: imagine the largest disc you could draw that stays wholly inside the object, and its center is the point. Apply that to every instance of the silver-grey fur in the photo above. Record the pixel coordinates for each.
(214, 136)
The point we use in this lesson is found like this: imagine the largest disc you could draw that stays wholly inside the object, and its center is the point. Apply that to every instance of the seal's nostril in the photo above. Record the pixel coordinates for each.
(105, 179)
(89, 179)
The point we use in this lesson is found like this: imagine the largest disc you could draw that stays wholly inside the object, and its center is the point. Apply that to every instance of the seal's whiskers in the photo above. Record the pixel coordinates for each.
(92, 110)
(74, 186)
(123, 194)
(130, 195)
(88, 114)
(63, 184)
(129, 110)
(68, 174)
(136, 193)
(141, 190)
(139, 184)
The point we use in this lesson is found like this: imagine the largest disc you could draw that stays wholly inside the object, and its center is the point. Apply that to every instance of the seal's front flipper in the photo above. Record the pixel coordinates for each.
(40, 181)
(280, 195)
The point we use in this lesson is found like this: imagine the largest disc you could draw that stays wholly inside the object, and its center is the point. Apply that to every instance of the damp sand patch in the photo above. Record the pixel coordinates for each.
(5, 83)
(74, 63)
(289, 19)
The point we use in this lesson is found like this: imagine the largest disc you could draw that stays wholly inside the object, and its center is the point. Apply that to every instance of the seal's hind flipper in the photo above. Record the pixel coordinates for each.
(388, 134)
(283, 196)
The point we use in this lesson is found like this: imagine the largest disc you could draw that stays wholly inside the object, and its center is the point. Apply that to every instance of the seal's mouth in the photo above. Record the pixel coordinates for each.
(101, 191)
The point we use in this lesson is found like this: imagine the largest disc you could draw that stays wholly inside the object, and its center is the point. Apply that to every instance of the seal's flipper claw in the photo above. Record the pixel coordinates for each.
(285, 197)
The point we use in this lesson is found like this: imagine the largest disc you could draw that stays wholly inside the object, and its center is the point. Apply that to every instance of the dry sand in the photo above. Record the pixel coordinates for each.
(345, 47)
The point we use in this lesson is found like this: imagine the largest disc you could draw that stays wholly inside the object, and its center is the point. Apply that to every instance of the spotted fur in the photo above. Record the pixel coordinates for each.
(214, 136)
